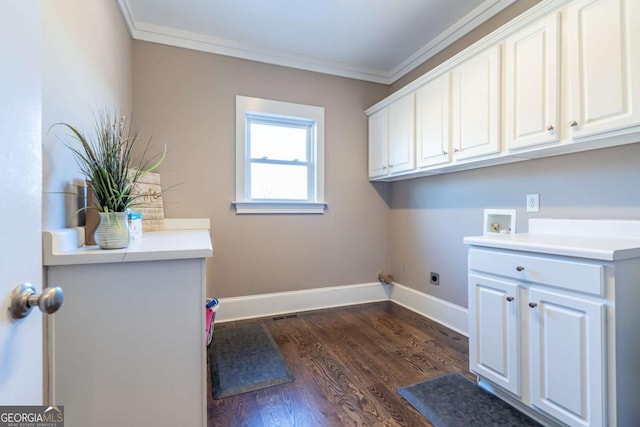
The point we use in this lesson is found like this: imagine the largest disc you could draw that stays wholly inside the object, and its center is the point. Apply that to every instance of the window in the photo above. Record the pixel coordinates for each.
(279, 157)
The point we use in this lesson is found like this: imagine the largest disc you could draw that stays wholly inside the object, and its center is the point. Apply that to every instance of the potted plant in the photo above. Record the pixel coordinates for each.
(106, 158)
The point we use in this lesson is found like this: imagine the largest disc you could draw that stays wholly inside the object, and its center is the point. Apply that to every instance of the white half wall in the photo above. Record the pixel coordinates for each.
(265, 305)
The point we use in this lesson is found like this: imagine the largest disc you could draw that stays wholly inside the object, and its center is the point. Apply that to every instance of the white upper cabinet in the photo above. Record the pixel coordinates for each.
(433, 142)
(532, 79)
(392, 145)
(476, 105)
(562, 77)
(379, 143)
(604, 65)
(402, 143)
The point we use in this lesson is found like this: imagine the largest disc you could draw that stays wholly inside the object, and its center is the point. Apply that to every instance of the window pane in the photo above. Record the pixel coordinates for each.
(284, 182)
(278, 142)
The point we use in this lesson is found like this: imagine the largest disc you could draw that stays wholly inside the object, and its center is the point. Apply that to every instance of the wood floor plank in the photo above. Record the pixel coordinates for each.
(348, 363)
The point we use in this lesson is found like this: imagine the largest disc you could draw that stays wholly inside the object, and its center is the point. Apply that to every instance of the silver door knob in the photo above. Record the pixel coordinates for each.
(23, 298)
(533, 304)
(520, 268)
(510, 298)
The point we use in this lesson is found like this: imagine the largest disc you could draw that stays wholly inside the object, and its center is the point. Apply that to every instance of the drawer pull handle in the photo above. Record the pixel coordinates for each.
(533, 304)
(520, 268)
(510, 298)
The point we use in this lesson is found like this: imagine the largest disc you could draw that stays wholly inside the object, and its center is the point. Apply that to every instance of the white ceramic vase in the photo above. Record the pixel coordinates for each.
(113, 230)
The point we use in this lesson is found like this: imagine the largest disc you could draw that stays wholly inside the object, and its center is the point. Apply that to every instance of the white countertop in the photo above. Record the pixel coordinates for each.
(608, 240)
(60, 247)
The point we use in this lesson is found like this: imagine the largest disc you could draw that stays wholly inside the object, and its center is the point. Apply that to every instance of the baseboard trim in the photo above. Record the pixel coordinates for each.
(450, 315)
(265, 305)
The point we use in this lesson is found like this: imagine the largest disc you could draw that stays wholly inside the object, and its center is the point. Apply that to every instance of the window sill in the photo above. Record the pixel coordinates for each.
(279, 208)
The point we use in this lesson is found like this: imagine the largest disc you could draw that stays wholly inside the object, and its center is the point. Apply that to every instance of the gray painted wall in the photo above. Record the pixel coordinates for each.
(186, 99)
(86, 66)
(431, 215)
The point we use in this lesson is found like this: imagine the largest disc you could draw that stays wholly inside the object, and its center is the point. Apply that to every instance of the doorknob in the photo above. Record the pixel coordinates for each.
(23, 298)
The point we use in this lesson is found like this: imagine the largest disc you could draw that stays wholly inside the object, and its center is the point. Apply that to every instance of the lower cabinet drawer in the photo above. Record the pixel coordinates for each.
(561, 273)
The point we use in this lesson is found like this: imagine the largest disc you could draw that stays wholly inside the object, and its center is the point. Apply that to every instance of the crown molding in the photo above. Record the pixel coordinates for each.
(200, 42)
(469, 22)
(538, 11)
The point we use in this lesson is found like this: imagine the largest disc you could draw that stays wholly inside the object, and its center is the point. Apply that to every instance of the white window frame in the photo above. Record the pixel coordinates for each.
(248, 108)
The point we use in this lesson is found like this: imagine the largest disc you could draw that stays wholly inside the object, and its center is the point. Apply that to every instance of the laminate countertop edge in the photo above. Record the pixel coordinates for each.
(597, 248)
(63, 247)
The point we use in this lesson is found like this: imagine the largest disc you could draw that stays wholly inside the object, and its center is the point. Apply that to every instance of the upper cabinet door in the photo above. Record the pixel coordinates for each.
(604, 61)
(432, 122)
(379, 143)
(402, 143)
(476, 105)
(531, 85)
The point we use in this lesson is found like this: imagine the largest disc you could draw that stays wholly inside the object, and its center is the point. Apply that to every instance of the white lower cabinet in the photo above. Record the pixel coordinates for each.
(495, 317)
(566, 336)
(534, 336)
(129, 348)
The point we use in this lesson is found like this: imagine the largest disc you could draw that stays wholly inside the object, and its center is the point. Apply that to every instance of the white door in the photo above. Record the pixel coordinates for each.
(379, 143)
(531, 85)
(432, 122)
(402, 146)
(494, 331)
(567, 357)
(21, 380)
(604, 62)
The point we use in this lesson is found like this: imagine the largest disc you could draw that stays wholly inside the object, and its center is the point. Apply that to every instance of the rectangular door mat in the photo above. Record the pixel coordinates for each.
(245, 359)
(451, 400)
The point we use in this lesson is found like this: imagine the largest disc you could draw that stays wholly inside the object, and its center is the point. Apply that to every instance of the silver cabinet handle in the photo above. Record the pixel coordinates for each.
(445, 152)
(384, 168)
(550, 128)
(456, 150)
(520, 268)
(573, 123)
(23, 298)
(510, 298)
(533, 304)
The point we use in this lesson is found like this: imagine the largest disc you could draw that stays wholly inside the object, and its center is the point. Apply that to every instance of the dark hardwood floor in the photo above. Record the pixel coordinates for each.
(348, 363)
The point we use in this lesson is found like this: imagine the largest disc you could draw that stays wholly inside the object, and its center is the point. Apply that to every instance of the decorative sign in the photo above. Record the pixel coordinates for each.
(150, 203)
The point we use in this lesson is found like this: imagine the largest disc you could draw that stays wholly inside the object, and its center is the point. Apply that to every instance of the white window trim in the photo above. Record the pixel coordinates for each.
(246, 105)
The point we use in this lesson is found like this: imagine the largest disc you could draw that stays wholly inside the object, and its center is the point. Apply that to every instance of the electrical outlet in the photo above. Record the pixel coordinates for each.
(533, 202)
(434, 278)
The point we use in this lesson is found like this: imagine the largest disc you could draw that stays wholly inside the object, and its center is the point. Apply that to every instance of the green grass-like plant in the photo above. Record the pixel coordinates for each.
(106, 158)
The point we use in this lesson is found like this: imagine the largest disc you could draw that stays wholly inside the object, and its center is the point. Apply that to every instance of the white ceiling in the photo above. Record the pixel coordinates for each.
(373, 40)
